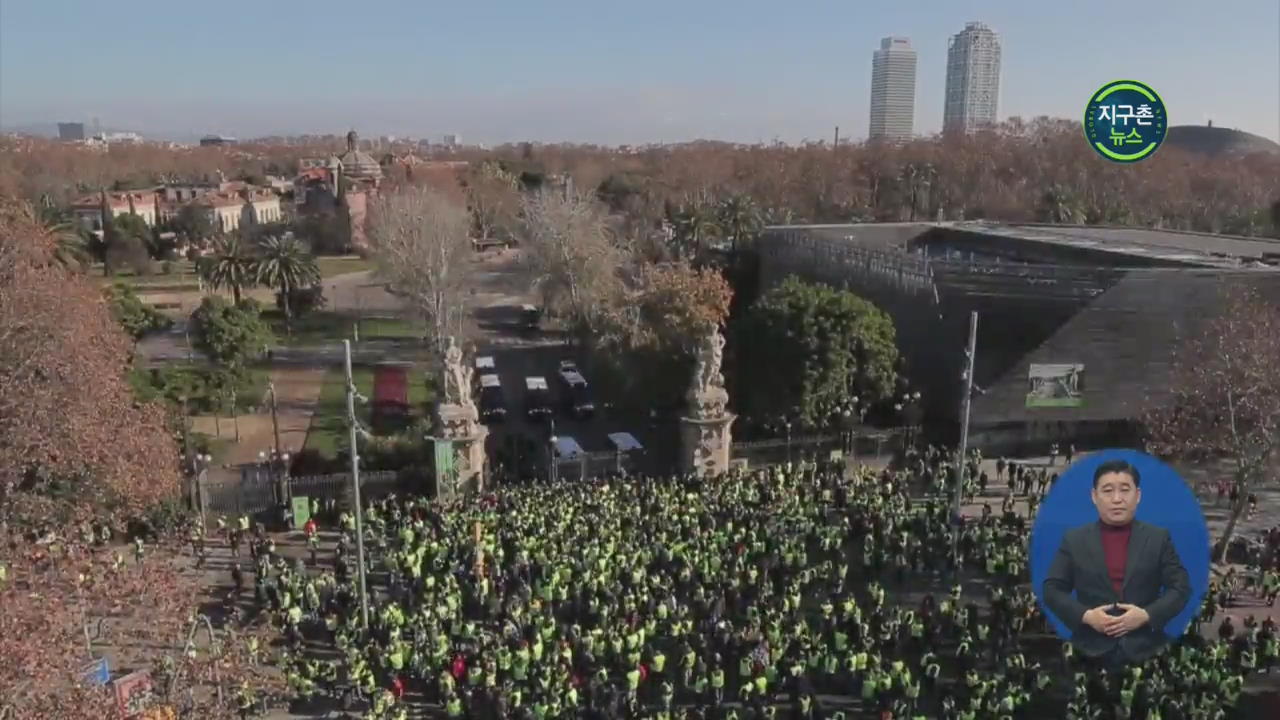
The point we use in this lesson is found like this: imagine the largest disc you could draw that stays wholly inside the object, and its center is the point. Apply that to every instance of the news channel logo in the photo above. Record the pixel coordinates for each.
(1125, 121)
(1166, 502)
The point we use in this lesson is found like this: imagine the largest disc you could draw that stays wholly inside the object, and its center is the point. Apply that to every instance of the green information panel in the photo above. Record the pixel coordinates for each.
(444, 467)
(301, 511)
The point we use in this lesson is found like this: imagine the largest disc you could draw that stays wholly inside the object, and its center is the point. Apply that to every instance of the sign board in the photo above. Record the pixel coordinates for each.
(301, 511)
(836, 456)
(1055, 386)
(134, 694)
(96, 673)
(444, 467)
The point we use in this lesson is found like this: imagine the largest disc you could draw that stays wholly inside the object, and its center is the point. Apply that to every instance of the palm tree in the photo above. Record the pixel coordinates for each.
(740, 219)
(73, 248)
(696, 224)
(285, 265)
(1059, 206)
(230, 265)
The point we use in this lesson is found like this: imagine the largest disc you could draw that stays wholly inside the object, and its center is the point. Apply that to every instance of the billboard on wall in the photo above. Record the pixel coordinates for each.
(1055, 385)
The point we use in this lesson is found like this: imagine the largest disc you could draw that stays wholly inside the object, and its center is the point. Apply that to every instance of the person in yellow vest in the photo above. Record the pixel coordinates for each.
(453, 705)
(633, 685)
(717, 685)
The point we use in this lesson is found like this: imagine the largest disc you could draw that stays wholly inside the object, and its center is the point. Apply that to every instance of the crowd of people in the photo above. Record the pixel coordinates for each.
(807, 591)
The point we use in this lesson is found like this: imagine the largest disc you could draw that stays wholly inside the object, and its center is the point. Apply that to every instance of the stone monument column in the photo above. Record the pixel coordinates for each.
(705, 432)
(458, 421)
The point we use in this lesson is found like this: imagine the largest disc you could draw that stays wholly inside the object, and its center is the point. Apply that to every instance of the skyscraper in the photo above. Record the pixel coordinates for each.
(893, 90)
(973, 79)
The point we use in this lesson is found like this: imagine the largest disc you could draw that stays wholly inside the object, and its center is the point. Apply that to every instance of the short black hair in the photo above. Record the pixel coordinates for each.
(1117, 466)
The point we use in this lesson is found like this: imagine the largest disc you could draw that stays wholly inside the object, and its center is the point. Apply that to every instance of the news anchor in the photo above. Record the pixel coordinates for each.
(1126, 575)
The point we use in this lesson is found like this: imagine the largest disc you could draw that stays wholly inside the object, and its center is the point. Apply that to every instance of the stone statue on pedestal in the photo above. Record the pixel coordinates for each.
(705, 431)
(456, 381)
(707, 396)
(457, 421)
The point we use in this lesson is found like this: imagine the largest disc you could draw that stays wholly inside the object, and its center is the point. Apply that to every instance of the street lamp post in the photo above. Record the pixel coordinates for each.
(786, 423)
(355, 486)
(551, 458)
(199, 468)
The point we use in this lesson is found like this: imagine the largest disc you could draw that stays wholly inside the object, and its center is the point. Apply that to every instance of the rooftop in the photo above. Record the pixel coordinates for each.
(115, 199)
(1191, 247)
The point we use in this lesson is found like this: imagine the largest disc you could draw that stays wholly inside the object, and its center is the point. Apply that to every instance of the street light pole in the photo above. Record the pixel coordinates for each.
(965, 404)
(275, 424)
(355, 487)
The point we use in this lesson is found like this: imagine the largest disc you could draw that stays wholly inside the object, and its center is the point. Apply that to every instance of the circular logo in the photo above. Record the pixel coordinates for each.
(1125, 121)
(1158, 561)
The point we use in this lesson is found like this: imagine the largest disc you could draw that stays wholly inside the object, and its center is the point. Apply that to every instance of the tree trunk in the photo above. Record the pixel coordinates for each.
(235, 294)
(288, 313)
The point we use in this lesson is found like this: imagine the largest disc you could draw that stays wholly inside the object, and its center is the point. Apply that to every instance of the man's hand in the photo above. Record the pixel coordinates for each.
(1099, 620)
(1133, 618)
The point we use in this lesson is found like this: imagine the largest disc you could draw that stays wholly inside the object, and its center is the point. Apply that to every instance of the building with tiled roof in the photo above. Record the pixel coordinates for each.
(228, 211)
(88, 210)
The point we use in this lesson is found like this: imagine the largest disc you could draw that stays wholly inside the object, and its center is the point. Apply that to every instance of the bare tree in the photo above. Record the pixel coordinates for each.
(1226, 398)
(494, 197)
(573, 256)
(420, 244)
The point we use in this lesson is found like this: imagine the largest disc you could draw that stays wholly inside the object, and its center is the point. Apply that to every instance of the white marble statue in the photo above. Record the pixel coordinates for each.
(706, 373)
(457, 377)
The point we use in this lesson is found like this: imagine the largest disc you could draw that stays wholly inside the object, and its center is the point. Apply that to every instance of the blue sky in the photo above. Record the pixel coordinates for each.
(602, 71)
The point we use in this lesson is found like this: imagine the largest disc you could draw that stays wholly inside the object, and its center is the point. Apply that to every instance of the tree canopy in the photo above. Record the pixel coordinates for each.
(229, 334)
(136, 317)
(803, 350)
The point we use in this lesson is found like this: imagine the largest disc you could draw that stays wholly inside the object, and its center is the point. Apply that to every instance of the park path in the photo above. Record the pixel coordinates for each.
(297, 394)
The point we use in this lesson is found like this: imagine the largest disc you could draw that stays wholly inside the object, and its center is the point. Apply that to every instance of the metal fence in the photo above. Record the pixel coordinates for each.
(597, 464)
(816, 447)
(257, 491)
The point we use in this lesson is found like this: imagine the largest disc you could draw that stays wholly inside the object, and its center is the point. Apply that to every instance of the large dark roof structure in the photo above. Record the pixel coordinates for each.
(1210, 140)
(1115, 300)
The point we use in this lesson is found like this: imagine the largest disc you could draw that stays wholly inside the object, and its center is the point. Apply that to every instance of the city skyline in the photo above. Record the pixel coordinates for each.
(893, 90)
(571, 71)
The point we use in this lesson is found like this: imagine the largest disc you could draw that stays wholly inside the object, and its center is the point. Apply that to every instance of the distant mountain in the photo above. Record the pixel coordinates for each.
(1210, 140)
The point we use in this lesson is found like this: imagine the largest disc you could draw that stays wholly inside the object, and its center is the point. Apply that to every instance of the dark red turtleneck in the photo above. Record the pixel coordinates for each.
(1115, 546)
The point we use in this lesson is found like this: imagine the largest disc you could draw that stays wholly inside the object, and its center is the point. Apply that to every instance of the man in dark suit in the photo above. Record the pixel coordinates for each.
(1117, 568)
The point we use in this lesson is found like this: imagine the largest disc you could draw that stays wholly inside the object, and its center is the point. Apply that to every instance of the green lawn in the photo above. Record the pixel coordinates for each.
(177, 380)
(326, 326)
(181, 276)
(216, 448)
(182, 273)
(330, 265)
(328, 431)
